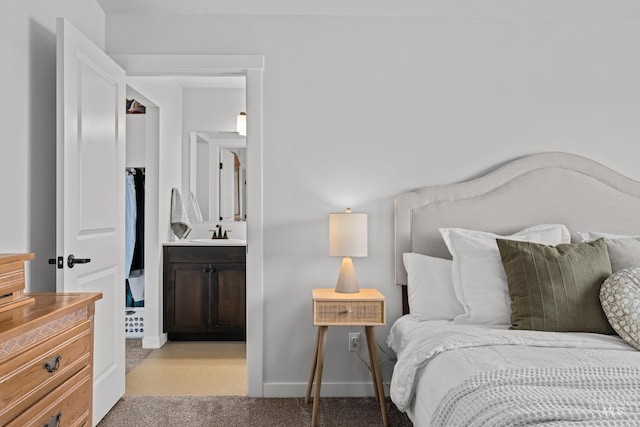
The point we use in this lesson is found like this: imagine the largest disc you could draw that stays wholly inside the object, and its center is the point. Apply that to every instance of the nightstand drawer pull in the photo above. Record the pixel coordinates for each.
(348, 311)
(53, 364)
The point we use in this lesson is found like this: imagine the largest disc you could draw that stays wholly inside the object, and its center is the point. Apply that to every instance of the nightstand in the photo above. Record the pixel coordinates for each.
(366, 308)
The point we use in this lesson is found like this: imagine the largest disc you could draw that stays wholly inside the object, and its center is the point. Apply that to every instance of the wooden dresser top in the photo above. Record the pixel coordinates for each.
(45, 307)
(6, 258)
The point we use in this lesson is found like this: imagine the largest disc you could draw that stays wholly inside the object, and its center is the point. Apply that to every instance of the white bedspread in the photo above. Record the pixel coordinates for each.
(435, 356)
(597, 396)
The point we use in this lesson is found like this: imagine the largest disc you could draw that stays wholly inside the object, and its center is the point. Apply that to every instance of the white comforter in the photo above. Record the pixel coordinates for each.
(594, 396)
(435, 356)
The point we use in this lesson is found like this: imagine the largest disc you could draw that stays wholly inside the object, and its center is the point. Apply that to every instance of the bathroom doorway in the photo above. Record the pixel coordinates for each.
(251, 69)
(179, 368)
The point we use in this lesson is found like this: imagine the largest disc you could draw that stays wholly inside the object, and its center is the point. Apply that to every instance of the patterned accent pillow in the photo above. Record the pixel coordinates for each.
(620, 299)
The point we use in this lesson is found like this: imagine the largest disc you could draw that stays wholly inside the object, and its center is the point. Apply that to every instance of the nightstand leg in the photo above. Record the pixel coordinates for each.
(371, 340)
(313, 368)
(316, 398)
(371, 349)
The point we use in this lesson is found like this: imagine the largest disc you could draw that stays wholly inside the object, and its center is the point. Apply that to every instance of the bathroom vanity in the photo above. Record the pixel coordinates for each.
(204, 290)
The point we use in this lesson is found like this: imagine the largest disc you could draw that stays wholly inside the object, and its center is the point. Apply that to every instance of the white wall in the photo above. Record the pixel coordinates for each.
(212, 109)
(163, 172)
(28, 123)
(359, 109)
(136, 137)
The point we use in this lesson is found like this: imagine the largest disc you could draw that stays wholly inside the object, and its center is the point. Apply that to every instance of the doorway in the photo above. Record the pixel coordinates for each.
(206, 103)
(142, 117)
(209, 65)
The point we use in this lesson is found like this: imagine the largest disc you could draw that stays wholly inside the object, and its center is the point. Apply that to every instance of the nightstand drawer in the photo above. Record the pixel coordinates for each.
(348, 313)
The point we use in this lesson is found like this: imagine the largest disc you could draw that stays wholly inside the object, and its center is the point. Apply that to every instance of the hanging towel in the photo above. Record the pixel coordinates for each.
(194, 212)
(179, 220)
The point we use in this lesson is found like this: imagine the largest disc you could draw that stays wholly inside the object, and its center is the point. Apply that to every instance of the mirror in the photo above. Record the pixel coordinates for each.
(217, 175)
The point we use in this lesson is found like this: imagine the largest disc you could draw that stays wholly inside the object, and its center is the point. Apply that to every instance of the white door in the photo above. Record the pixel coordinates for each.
(90, 197)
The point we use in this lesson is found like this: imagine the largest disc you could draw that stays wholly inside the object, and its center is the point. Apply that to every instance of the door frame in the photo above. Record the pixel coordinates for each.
(251, 66)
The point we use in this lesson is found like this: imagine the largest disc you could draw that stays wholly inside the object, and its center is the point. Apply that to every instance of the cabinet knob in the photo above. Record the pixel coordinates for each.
(347, 311)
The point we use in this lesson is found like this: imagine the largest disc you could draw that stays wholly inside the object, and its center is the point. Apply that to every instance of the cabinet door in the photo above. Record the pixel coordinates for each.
(187, 298)
(229, 298)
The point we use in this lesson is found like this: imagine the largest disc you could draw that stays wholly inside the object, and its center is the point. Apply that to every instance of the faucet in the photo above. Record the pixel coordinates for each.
(217, 233)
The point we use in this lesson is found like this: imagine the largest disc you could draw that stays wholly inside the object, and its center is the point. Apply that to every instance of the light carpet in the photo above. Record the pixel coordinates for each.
(196, 411)
(193, 368)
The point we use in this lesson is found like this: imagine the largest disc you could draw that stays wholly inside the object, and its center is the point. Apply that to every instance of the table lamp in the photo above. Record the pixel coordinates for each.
(347, 238)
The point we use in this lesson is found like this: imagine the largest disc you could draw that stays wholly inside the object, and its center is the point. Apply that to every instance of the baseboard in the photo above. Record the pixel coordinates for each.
(154, 342)
(328, 389)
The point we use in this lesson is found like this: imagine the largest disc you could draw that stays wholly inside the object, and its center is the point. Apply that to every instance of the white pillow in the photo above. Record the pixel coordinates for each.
(624, 251)
(594, 235)
(479, 280)
(430, 288)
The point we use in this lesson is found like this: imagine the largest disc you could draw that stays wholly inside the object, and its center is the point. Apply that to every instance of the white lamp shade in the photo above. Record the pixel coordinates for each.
(348, 234)
(241, 124)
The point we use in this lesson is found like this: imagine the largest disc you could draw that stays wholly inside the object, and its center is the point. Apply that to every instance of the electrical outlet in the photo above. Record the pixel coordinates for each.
(354, 341)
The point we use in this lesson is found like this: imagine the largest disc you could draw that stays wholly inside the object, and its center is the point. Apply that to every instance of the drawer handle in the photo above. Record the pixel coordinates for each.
(54, 421)
(347, 311)
(53, 364)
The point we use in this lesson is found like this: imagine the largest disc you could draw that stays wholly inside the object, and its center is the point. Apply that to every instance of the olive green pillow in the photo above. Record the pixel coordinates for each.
(556, 288)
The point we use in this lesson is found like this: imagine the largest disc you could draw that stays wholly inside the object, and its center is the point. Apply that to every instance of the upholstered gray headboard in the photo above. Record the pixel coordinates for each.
(541, 188)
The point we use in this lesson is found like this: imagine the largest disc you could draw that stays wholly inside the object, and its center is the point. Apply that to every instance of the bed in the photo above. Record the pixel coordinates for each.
(492, 335)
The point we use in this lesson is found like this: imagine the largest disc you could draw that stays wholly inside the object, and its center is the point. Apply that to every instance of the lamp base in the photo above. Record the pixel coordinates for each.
(347, 281)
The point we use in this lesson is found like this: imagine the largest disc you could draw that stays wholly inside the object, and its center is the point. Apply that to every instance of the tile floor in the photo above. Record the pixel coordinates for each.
(191, 368)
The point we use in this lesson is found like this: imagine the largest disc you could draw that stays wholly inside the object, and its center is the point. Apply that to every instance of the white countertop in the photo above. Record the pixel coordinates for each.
(207, 242)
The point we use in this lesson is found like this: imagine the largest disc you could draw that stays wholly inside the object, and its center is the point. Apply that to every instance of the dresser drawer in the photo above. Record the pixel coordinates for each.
(33, 374)
(70, 403)
(348, 313)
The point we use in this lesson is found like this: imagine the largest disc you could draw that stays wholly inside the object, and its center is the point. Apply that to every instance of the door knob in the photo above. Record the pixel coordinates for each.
(72, 260)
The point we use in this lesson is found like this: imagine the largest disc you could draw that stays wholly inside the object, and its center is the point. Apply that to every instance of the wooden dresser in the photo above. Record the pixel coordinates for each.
(46, 355)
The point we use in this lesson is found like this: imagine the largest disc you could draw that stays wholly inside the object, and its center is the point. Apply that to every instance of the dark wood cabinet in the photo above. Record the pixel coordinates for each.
(204, 292)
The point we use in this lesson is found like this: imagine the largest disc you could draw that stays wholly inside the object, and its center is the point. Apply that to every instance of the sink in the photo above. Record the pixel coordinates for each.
(219, 242)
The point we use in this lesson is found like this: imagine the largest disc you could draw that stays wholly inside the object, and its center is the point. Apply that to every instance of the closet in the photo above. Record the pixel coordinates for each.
(134, 253)
(134, 280)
